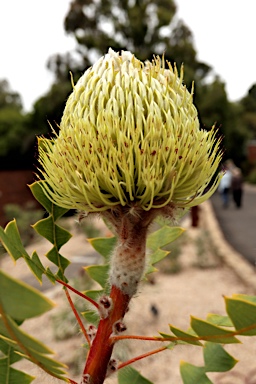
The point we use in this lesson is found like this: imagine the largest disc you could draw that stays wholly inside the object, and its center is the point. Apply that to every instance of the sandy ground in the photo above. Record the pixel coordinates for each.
(194, 290)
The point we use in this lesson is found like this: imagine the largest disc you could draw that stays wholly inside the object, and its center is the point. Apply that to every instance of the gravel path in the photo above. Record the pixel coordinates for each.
(239, 225)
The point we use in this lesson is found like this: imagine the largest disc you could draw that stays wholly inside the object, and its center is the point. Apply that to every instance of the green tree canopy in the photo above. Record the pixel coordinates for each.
(143, 27)
(9, 98)
(146, 29)
(249, 105)
(13, 139)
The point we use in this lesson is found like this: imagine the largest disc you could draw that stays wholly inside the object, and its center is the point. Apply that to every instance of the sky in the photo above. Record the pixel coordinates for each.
(224, 34)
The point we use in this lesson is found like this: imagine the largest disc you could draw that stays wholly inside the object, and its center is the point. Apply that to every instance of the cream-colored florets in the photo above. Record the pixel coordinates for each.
(129, 136)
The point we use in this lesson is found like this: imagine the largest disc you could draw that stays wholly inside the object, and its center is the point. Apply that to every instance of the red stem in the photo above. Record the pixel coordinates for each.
(77, 317)
(127, 265)
(140, 357)
(102, 346)
(145, 338)
(79, 293)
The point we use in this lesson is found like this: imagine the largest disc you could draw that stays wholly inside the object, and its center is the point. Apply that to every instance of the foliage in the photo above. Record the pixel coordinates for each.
(50, 107)
(25, 217)
(141, 27)
(16, 138)
(146, 29)
(130, 25)
(249, 105)
(211, 333)
(16, 344)
(252, 176)
(11, 128)
(88, 228)
(11, 119)
(9, 98)
(171, 263)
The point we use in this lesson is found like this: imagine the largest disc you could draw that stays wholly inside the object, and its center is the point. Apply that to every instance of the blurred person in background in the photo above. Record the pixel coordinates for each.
(225, 187)
(237, 186)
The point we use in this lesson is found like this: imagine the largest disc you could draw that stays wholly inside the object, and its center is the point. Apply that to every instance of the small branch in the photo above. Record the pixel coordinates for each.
(93, 302)
(145, 338)
(77, 317)
(140, 357)
(72, 381)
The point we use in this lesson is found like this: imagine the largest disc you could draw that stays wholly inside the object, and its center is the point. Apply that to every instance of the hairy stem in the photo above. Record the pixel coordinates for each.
(127, 267)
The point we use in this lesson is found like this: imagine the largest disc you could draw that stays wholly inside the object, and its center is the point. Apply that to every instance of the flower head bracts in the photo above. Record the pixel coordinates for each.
(129, 136)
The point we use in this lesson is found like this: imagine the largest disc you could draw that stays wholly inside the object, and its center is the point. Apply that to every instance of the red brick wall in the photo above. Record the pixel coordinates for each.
(14, 189)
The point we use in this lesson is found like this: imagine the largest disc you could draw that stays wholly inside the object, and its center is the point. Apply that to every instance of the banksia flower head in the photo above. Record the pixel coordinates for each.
(129, 137)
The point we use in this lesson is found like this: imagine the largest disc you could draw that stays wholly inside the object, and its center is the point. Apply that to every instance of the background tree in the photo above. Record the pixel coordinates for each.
(9, 98)
(146, 29)
(249, 105)
(13, 128)
(143, 27)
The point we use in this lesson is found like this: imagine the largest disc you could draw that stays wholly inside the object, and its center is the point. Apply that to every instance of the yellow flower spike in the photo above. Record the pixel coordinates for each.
(129, 136)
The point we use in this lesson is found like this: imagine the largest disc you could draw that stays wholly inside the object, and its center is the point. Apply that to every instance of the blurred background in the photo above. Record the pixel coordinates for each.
(43, 41)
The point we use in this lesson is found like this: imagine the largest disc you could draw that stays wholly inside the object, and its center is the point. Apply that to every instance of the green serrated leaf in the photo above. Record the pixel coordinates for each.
(39, 195)
(211, 332)
(150, 269)
(12, 232)
(10, 238)
(29, 347)
(11, 241)
(55, 257)
(129, 375)
(47, 364)
(60, 276)
(25, 339)
(222, 321)
(36, 266)
(32, 304)
(251, 299)
(50, 275)
(58, 212)
(243, 315)
(91, 317)
(62, 236)
(52, 232)
(158, 255)
(154, 258)
(193, 375)
(94, 294)
(45, 228)
(217, 359)
(103, 245)
(98, 273)
(8, 351)
(163, 236)
(54, 366)
(9, 375)
(185, 336)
